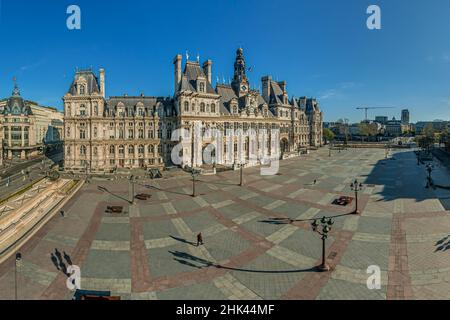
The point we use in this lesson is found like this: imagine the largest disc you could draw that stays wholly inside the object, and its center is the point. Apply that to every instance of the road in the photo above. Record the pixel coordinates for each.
(22, 174)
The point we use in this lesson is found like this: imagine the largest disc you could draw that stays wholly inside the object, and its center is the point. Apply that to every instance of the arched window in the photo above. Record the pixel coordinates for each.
(83, 150)
(202, 107)
(95, 110)
(202, 87)
(193, 107)
(141, 134)
(121, 149)
(141, 149)
(151, 149)
(235, 110)
(82, 89)
(131, 149)
(95, 151)
(112, 150)
(82, 134)
(213, 108)
(186, 106)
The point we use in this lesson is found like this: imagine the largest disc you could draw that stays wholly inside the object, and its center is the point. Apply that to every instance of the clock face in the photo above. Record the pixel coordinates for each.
(243, 88)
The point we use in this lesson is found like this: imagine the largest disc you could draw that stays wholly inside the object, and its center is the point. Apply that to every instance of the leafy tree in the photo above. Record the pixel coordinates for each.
(367, 129)
(342, 125)
(328, 135)
(427, 139)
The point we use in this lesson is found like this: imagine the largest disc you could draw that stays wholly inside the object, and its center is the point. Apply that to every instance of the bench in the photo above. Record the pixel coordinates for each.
(143, 196)
(343, 201)
(114, 209)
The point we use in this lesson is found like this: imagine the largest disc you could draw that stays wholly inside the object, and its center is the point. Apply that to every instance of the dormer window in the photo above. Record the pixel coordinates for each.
(82, 89)
(202, 87)
(235, 110)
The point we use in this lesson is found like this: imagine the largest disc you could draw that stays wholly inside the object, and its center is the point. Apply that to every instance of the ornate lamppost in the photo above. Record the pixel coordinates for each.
(241, 181)
(18, 263)
(429, 169)
(323, 229)
(194, 174)
(357, 187)
(132, 189)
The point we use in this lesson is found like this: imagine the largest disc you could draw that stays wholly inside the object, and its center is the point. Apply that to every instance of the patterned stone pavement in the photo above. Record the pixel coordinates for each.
(258, 240)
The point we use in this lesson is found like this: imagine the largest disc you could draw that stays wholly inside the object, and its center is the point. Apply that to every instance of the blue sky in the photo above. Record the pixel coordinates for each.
(322, 48)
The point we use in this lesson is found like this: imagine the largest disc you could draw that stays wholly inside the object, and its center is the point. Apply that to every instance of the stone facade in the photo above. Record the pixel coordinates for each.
(27, 128)
(140, 132)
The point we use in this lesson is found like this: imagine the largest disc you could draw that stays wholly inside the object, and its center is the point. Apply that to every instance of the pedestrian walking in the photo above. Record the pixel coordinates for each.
(315, 181)
(63, 214)
(199, 239)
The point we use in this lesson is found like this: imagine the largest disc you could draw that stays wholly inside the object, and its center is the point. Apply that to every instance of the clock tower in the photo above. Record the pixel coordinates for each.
(240, 83)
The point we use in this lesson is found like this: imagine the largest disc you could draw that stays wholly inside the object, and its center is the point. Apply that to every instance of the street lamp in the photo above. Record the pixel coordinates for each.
(132, 188)
(241, 181)
(18, 263)
(356, 186)
(325, 224)
(429, 169)
(194, 174)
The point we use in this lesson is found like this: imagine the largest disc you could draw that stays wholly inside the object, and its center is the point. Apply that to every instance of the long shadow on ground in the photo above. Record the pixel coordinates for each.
(199, 263)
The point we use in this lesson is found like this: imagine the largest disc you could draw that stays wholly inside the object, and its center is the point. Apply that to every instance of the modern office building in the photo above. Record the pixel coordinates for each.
(405, 116)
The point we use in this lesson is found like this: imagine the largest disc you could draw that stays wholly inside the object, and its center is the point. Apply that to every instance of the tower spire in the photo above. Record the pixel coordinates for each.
(240, 81)
(16, 91)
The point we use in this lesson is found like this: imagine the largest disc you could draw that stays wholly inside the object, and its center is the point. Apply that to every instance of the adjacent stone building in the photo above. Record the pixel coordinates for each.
(26, 128)
(140, 132)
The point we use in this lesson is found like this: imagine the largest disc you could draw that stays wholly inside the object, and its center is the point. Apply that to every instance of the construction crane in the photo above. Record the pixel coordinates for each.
(370, 108)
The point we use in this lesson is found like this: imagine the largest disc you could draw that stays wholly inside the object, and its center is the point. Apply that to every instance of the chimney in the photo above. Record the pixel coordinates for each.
(177, 64)
(282, 85)
(102, 82)
(207, 69)
(266, 88)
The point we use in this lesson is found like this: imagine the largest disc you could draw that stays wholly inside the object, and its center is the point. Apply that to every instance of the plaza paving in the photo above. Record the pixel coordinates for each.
(251, 249)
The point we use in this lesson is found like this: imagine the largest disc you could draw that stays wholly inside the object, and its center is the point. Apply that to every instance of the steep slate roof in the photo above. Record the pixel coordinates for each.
(92, 82)
(192, 71)
(294, 103)
(311, 106)
(16, 102)
(149, 103)
(227, 94)
(276, 94)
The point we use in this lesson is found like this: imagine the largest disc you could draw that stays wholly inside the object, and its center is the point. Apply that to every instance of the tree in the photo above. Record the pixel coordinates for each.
(367, 129)
(427, 139)
(328, 135)
(342, 125)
